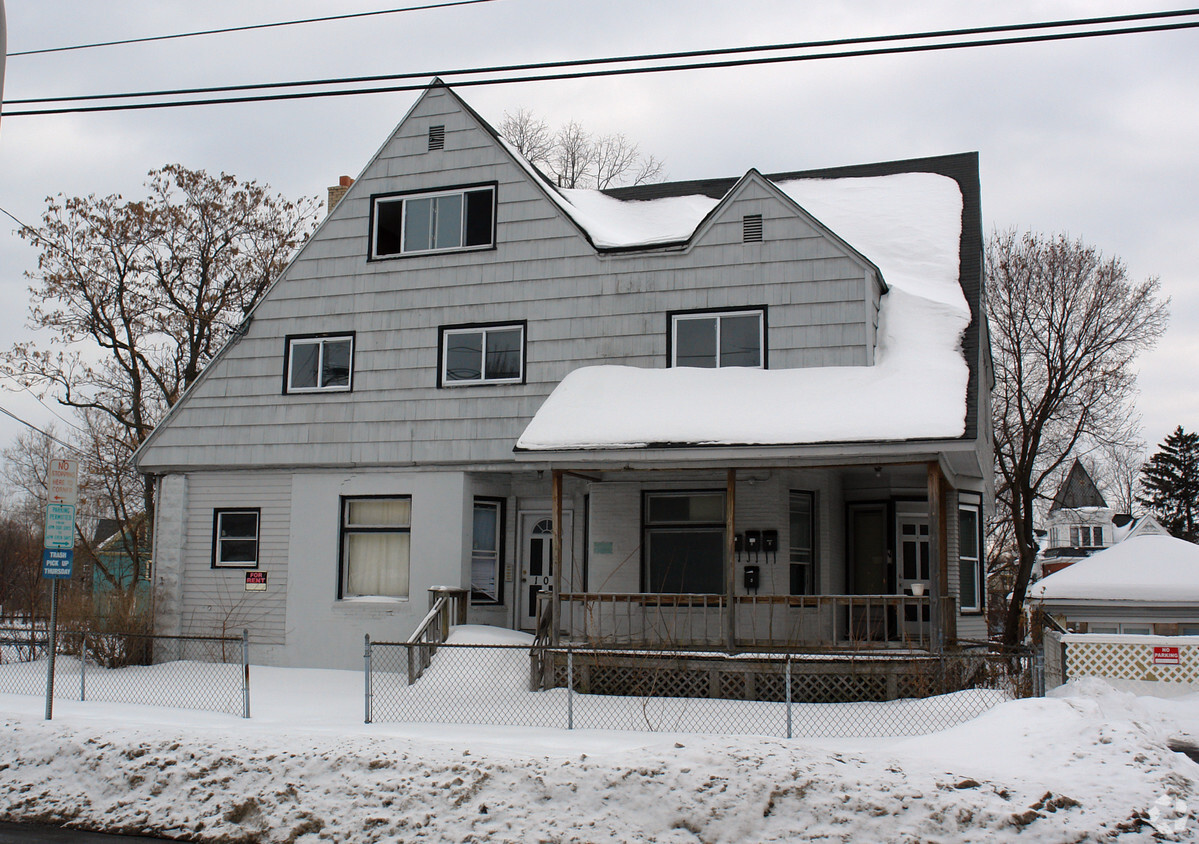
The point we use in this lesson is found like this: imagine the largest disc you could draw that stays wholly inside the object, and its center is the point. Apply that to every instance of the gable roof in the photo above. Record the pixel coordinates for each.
(696, 196)
(1077, 491)
(909, 225)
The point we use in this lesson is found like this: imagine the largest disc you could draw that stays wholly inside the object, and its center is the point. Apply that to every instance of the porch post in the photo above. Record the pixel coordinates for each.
(556, 600)
(936, 548)
(730, 561)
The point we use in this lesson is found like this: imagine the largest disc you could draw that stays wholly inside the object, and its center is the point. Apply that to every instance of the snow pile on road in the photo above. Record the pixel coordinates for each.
(1085, 764)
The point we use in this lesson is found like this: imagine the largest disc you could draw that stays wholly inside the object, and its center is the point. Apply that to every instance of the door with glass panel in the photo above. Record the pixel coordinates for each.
(537, 562)
(913, 567)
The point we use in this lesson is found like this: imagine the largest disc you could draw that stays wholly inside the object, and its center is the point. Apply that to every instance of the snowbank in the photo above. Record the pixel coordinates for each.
(1084, 765)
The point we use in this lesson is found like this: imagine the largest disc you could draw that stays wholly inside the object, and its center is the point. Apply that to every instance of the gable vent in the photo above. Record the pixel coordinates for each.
(436, 137)
(751, 228)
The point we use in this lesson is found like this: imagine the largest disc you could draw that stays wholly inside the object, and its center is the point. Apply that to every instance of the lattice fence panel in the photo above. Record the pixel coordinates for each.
(1125, 660)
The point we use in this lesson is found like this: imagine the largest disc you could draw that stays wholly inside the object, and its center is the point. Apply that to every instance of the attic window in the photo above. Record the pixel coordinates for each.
(434, 221)
(436, 137)
(751, 228)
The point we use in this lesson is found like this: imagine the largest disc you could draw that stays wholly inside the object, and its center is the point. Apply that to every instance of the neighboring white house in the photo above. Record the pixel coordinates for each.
(1147, 584)
(1080, 523)
(751, 411)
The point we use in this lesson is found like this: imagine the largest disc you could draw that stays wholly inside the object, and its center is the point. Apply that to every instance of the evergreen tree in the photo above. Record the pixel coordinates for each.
(1171, 483)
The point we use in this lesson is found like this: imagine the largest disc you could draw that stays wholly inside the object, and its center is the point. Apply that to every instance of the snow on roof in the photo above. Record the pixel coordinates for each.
(615, 223)
(1141, 568)
(908, 225)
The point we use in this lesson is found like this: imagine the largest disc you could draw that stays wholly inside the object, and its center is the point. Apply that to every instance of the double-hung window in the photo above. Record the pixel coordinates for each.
(434, 221)
(970, 576)
(375, 539)
(483, 354)
(1086, 537)
(486, 556)
(235, 538)
(803, 552)
(319, 363)
(712, 340)
(684, 542)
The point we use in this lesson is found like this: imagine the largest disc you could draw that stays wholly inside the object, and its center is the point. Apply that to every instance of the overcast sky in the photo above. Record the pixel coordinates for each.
(1097, 138)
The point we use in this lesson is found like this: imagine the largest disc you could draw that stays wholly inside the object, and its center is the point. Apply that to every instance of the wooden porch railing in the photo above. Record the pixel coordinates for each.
(764, 622)
(445, 603)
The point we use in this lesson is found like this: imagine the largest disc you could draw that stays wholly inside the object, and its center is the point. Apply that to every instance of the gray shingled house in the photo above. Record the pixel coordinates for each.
(743, 413)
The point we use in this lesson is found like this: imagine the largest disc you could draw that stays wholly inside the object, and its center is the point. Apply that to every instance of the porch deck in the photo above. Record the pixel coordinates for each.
(763, 623)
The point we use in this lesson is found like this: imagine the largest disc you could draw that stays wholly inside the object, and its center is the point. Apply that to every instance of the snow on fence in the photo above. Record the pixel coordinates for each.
(783, 695)
(207, 673)
(1129, 659)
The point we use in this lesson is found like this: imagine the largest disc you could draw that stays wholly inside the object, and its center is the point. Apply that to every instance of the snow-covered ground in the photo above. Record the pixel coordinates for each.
(1088, 763)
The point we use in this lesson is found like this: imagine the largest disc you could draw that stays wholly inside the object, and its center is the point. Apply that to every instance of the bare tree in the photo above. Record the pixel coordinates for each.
(137, 296)
(530, 136)
(572, 159)
(1117, 469)
(1066, 325)
(576, 158)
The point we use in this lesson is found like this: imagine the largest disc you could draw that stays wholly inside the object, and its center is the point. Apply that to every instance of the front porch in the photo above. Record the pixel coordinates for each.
(762, 623)
(766, 558)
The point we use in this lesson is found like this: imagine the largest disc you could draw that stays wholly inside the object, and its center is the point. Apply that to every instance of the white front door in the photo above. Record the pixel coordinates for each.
(537, 562)
(912, 564)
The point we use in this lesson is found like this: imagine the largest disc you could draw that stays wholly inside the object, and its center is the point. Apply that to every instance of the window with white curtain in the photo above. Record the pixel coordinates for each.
(375, 539)
(486, 554)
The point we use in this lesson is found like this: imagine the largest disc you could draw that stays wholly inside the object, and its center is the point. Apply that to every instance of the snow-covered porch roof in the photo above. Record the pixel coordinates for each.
(909, 225)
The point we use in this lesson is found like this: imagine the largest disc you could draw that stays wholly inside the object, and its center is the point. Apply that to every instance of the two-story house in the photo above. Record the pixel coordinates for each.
(745, 412)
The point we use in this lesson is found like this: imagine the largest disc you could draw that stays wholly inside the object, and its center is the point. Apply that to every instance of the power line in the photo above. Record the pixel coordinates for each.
(246, 28)
(40, 401)
(647, 57)
(590, 74)
(45, 434)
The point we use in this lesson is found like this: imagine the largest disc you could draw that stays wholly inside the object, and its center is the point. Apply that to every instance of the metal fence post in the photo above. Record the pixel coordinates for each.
(570, 688)
(367, 662)
(245, 673)
(83, 666)
(788, 681)
(1038, 677)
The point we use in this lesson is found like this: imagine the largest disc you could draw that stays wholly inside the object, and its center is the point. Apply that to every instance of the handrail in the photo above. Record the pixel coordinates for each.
(607, 619)
(434, 628)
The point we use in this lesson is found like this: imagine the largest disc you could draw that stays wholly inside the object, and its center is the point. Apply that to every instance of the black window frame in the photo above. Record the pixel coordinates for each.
(321, 338)
(980, 580)
(402, 197)
(217, 513)
(649, 526)
(445, 331)
(343, 532)
(811, 573)
(500, 504)
(672, 318)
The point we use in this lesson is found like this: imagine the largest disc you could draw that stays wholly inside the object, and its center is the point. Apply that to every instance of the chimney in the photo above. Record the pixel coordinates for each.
(337, 192)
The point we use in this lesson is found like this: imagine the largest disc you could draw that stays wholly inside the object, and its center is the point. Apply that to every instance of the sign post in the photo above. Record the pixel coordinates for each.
(58, 550)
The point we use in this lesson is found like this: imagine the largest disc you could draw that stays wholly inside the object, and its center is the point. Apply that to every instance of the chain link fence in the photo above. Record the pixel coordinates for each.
(207, 673)
(784, 695)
